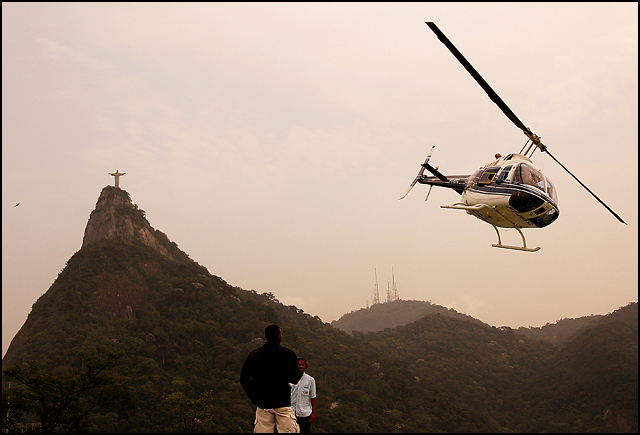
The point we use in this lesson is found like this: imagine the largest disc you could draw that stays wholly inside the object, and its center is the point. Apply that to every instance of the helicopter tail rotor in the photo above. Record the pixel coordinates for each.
(429, 191)
(535, 139)
(422, 168)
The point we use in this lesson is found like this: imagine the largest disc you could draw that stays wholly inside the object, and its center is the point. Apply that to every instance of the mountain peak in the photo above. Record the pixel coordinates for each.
(117, 218)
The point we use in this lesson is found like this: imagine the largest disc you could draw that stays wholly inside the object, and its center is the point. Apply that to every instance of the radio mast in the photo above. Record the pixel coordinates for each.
(395, 289)
(376, 295)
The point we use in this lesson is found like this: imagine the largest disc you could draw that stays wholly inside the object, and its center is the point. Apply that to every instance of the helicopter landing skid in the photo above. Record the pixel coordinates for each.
(471, 208)
(517, 248)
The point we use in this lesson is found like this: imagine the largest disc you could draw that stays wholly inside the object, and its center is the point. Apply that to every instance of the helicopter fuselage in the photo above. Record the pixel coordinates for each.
(515, 192)
(508, 192)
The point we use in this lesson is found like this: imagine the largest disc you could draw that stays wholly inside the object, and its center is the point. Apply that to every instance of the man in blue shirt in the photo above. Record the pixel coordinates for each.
(265, 377)
(303, 398)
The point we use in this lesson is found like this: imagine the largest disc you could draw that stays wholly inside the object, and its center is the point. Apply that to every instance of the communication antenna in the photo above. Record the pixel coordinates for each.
(376, 295)
(395, 289)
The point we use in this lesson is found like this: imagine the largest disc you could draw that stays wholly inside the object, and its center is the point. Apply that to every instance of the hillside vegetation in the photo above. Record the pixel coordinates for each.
(564, 330)
(392, 314)
(188, 331)
(181, 335)
(185, 330)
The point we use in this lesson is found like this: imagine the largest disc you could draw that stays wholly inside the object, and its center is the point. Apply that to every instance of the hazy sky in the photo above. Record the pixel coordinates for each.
(271, 142)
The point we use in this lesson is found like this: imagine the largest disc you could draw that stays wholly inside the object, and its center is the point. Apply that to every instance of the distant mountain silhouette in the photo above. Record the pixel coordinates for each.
(422, 368)
(399, 313)
(392, 314)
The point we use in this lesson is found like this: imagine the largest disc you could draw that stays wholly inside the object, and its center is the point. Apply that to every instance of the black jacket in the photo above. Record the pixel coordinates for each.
(266, 374)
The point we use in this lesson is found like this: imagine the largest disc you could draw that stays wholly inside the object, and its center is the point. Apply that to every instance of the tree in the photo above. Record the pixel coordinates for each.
(190, 413)
(63, 402)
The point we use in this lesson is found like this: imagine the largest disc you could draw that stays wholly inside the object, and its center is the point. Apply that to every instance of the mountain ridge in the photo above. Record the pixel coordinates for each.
(402, 312)
(186, 331)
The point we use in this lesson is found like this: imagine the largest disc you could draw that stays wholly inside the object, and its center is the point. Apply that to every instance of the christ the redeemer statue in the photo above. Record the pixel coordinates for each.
(117, 175)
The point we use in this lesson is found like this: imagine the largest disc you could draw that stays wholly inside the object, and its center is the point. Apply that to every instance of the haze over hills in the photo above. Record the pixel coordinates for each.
(129, 288)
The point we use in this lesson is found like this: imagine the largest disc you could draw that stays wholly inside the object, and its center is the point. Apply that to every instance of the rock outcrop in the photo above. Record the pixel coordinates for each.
(116, 217)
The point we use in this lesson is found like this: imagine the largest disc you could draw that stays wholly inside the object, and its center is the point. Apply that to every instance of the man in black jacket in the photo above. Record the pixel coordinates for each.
(265, 377)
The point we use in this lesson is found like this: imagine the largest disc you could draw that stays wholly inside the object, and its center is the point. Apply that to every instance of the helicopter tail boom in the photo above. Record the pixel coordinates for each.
(435, 172)
(455, 182)
(457, 185)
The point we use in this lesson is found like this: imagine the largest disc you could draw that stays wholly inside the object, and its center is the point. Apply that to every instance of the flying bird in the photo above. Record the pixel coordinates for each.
(17, 205)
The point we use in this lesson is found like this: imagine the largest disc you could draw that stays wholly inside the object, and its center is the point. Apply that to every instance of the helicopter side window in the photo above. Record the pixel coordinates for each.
(527, 175)
(488, 175)
(503, 175)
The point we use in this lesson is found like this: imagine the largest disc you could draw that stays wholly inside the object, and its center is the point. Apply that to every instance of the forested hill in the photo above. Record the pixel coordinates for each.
(399, 313)
(392, 314)
(524, 384)
(560, 332)
(186, 333)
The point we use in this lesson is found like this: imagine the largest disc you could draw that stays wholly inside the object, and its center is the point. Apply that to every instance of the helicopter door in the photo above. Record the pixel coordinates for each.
(502, 176)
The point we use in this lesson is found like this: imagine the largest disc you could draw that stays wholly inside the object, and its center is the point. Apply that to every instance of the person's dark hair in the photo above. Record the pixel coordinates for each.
(271, 333)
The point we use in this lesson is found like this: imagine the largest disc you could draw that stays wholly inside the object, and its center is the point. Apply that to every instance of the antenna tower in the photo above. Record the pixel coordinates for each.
(376, 295)
(395, 289)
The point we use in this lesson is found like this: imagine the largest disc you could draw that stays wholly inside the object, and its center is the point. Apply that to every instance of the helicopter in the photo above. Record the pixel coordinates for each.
(508, 192)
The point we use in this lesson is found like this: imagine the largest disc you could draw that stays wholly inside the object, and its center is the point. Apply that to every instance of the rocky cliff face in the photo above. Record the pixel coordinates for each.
(116, 217)
(104, 282)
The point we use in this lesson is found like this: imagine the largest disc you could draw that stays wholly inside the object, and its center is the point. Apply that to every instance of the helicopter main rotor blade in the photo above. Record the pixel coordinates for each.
(505, 109)
(478, 78)
(583, 185)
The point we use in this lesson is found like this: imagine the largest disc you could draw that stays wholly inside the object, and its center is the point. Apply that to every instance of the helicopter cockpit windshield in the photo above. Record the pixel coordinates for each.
(551, 191)
(526, 174)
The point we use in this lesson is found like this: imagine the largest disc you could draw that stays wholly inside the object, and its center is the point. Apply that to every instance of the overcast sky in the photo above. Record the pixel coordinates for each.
(271, 142)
